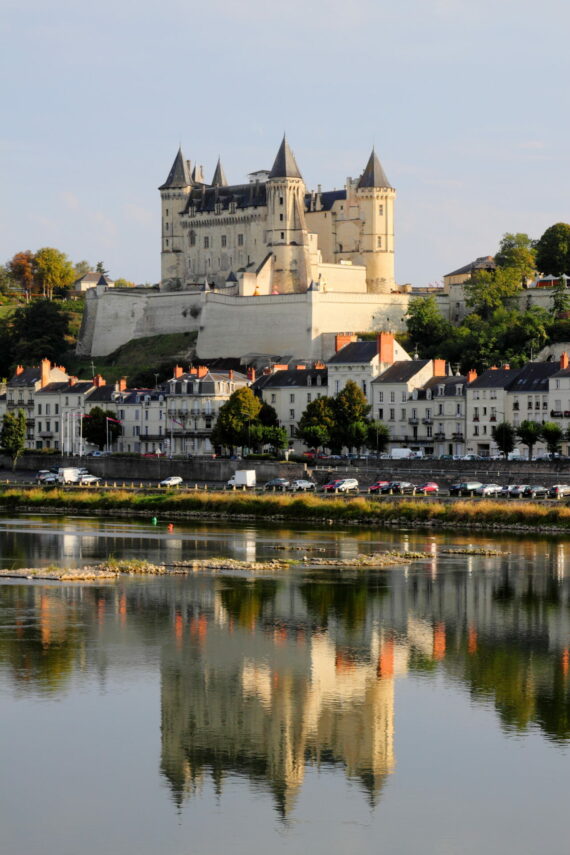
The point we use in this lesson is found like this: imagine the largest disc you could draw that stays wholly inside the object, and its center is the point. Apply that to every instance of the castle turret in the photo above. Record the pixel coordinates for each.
(287, 230)
(174, 194)
(219, 179)
(376, 197)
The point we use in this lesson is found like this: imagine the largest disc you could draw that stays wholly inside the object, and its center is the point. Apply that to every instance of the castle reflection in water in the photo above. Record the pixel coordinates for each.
(266, 678)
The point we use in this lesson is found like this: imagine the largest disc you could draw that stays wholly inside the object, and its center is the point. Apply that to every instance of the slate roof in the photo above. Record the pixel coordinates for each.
(79, 388)
(102, 395)
(27, 377)
(373, 175)
(495, 378)
(219, 179)
(328, 198)
(294, 378)
(401, 371)
(448, 382)
(285, 165)
(92, 278)
(484, 262)
(534, 377)
(179, 175)
(355, 352)
(204, 199)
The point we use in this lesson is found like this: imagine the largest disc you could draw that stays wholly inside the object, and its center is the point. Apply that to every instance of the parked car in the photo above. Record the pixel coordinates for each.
(89, 480)
(471, 457)
(558, 491)
(347, 485)
(506, 490)
(518, 490)
(535, 492)
(377, 486)
(331, 485)
(489, 490)
(45, 477)
(399, 487)
(277, 484)
(430, 488)
(464, 488)
(171, 481)
(302, 485)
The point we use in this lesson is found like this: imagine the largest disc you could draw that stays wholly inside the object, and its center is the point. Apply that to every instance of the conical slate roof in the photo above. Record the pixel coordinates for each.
(219, 179)
(179, 175)
(285, 165)
(374, 175)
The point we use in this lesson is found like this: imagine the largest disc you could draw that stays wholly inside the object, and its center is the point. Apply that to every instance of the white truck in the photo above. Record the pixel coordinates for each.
(242, 479)
(405, 454)
(69, 475)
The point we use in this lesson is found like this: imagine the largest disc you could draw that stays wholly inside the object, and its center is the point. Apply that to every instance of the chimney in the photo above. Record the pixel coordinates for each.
(342, 339)
(385, 345)
(202, 371)
(564, 361)
(267, 370)
(251, 374)
(319, 365)
(471, 375)
(506, 366)
(45, 367)
(493, 368)
(71, 380)
(301, 367)
(193, 370)
(280, 366)
(438, 367)
(19, 370)
(122, 384)
(178, 371)
(99, 381)
(231, 374)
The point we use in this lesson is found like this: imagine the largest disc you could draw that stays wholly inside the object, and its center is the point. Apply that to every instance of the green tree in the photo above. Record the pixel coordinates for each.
(517, 251)
(124, 283)
(377, 436)
(53, 270)
(268, 415)
(7, 281)
(100, 426)
(553, 250)
(21, 268)
(38, 331)
(553, 435)
(276, 437)
(13, 435)
(486, 292)
(350, 408)
(529, 433)
(317, 423)
(81, 268)
(426, 326)
(504, 435)
(235, 420)
(100, 268)
(560, 299)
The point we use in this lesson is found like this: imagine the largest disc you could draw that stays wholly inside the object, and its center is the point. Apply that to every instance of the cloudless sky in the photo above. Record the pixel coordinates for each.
(466, 102)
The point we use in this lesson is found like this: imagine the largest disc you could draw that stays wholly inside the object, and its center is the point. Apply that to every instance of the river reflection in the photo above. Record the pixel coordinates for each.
(269, 680)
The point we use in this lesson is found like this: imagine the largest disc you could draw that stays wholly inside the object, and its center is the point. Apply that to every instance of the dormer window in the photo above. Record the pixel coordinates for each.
(441, 389)
(428, 394)
(459, 389)
(414, 395)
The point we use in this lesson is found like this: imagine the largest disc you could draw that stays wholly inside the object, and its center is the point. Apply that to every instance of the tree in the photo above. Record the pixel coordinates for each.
(101, 427)
(81, 268)
(529, 433)
(236, 419)
(486, 292)
(53, 270)
(426, 326)
(560, 299)
(268, 415)
(350, 408)
(13, 435)
(553, 250)
(38, 331)
(317, 423)
(553, 435)
(518, 252)
(124, 283)
(100, 268)
(21, 268)
(378, 436)
(276, 437)
(504, 436)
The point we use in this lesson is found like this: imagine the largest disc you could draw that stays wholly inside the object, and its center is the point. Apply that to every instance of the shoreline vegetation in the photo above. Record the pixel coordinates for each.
(432, 513)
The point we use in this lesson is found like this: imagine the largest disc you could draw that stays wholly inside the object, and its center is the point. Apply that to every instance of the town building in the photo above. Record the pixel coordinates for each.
(289, 391)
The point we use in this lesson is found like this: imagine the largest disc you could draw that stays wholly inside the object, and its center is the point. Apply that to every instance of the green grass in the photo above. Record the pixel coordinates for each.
(303, 508)
(138, 359)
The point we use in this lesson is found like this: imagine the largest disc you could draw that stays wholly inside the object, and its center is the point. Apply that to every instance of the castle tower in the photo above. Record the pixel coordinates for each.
(173, 195)
(219, 179)
(376, 198)
(286, 227)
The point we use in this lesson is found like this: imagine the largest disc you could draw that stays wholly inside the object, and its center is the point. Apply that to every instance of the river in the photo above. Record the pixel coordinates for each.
(417, 709)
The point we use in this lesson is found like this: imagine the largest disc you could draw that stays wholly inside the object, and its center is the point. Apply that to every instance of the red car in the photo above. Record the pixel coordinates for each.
(429, 488)
(377, 486)
(332, 485)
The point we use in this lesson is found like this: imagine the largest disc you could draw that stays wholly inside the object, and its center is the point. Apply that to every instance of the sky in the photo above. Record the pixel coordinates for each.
(465, 102)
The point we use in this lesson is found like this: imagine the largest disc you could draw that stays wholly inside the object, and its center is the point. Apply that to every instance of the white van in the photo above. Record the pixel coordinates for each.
(405, 454)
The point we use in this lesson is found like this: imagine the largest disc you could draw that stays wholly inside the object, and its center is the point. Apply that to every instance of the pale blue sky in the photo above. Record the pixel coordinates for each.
(466, 103)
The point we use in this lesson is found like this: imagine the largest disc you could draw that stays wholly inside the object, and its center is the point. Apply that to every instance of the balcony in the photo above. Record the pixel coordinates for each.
(439, 436)
(458, 437)
(427, 421)
(516, 407)
(475, 418)
(493, 419)
(556, 414)
(413, 421)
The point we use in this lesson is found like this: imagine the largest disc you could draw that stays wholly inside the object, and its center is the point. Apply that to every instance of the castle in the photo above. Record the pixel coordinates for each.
(263, 267)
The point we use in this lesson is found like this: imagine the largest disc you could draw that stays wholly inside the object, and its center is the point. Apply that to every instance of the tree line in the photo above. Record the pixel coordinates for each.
(529, 433)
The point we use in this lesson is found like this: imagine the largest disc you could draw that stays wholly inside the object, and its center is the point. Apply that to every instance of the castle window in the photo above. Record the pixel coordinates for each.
(379, 242)
(166, 242)
(192, 238)
(281, 200)
(381, 210)
(166, 212)
(282, 235)
(240, 240)
(281, 217)
(167, 226)
(224, 241)
(206, 243)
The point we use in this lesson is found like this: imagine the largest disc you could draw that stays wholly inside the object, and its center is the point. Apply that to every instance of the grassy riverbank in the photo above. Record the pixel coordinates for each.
(507, 515)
